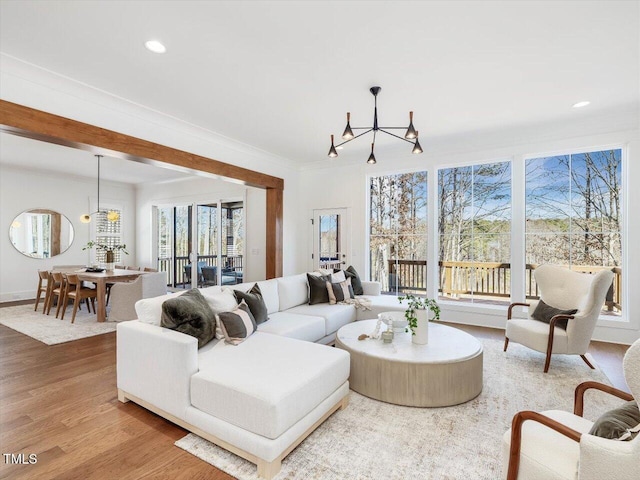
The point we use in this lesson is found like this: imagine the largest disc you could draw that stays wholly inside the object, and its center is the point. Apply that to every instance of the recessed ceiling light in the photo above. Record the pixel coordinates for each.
(155, 46)
(581, 104)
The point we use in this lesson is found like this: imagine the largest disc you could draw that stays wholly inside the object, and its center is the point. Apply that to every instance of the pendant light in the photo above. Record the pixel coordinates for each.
(112, 215)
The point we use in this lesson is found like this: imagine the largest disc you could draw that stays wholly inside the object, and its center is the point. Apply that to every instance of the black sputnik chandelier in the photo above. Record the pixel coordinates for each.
(410, 136)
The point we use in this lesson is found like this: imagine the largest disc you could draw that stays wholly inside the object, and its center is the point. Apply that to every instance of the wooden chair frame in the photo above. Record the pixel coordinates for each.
(552, 326)
(578, 408)
(42, 275)
(78, 294)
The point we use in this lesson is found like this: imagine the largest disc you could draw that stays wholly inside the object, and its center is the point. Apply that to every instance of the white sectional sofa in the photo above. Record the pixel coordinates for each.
(259, 399)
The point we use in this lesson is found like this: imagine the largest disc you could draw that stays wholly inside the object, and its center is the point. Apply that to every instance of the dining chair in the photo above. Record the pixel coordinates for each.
(43, 276)
(57, 292)
(133, 268)
(148, 269)
(75, 291)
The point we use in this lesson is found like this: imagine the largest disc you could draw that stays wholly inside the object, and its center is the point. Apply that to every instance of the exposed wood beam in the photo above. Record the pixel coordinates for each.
(274, 233)
(38, 125)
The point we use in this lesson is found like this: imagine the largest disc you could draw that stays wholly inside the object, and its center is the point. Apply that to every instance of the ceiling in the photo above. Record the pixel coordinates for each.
(280, 75)
(51, 158)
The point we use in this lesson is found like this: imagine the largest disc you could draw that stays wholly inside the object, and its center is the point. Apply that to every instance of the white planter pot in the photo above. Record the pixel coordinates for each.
(421, 336)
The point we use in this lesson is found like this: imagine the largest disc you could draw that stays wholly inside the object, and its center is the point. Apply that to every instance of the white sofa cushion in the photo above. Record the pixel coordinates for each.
(269, 289)
(292, 325)
(335, 315)
(379, 304)
(267, 383)
(293, 291)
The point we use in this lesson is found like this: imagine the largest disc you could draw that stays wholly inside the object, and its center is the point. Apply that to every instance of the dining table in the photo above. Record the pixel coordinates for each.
(100, 279)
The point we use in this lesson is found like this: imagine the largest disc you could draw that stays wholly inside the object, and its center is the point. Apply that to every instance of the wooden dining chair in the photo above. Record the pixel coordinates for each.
(75, 291)
(148, 269)
(43, 276)
(134, 268)
(57, 292)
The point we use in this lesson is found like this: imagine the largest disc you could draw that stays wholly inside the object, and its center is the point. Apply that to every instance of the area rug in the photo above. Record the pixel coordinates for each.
(51, 330)
(372, 440)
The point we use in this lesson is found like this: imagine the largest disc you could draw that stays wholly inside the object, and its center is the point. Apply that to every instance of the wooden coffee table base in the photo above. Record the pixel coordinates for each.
(415, 383)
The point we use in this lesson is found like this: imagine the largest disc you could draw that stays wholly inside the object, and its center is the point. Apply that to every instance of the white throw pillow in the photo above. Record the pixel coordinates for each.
(336, 277)
(223, 301)
(149, 310)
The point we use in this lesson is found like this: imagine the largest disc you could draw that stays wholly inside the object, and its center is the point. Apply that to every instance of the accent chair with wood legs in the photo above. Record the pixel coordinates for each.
(557, 445)
(563, 289)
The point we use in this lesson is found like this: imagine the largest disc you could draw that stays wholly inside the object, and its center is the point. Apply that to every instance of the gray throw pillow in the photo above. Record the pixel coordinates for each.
(255, 302)
(237, 325)
(615, 423)
(545, 313)
(318, 288)
(191, 314)
(356, 283)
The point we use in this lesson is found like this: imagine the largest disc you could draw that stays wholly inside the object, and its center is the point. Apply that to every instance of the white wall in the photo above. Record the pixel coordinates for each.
(344, 184)
(201, 190)
(28, 85)
(22, 189)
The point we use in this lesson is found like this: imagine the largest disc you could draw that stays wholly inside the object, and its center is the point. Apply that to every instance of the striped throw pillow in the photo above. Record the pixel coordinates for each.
(237, 325)
(339, 291)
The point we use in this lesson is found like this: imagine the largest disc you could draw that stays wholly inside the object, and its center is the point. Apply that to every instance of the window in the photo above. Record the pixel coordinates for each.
(474, 227)
(398, 232)
(573, 216)
(108, 233)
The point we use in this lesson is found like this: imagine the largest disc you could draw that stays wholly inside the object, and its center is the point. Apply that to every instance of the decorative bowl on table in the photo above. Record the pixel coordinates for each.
(395, 319)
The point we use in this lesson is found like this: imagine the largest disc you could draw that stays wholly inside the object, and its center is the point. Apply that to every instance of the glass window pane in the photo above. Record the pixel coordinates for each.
(475, 232)
(398, 227)
(574, 215)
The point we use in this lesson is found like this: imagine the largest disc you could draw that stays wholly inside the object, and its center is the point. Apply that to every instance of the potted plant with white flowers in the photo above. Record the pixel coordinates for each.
(418, 318)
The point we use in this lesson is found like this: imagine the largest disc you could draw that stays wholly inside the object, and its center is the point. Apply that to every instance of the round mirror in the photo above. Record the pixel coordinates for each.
(41, 233)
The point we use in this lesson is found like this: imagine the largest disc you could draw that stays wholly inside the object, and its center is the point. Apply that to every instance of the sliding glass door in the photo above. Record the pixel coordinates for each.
(201, 244)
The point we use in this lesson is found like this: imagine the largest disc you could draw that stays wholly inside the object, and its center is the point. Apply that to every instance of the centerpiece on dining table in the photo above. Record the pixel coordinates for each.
(109, 255)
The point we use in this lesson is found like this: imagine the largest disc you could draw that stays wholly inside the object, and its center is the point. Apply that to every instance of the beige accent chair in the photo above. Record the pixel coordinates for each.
(556, 445)
(567, 290)
(125, 295)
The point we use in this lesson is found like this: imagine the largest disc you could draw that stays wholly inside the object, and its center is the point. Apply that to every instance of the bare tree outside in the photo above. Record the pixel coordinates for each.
(574, 215)
(474, 226)
(398, 232)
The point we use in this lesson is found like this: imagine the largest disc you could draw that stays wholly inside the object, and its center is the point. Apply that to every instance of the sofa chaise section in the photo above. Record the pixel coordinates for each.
(211, 392)
(267, 383)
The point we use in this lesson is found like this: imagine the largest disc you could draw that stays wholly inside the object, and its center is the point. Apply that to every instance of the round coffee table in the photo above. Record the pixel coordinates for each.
(446, 371)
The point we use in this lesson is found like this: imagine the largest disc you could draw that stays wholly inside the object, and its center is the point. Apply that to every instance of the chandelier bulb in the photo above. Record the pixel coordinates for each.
(332, 151)
(416, 146)
(348, 133)
(411, 131)
(372, 157)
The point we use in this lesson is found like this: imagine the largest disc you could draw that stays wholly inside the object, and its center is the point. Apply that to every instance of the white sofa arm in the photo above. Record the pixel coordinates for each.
(371, 288)
(155, 364)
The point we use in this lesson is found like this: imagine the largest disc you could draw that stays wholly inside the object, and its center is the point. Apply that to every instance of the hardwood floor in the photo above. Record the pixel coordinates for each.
(60, 403)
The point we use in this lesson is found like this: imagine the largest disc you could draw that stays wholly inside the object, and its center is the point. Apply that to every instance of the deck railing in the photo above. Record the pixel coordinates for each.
(174, 266)
(482, 279)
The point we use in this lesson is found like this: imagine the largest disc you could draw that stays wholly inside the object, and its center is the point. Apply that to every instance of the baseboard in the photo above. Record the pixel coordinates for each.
(17, 296)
